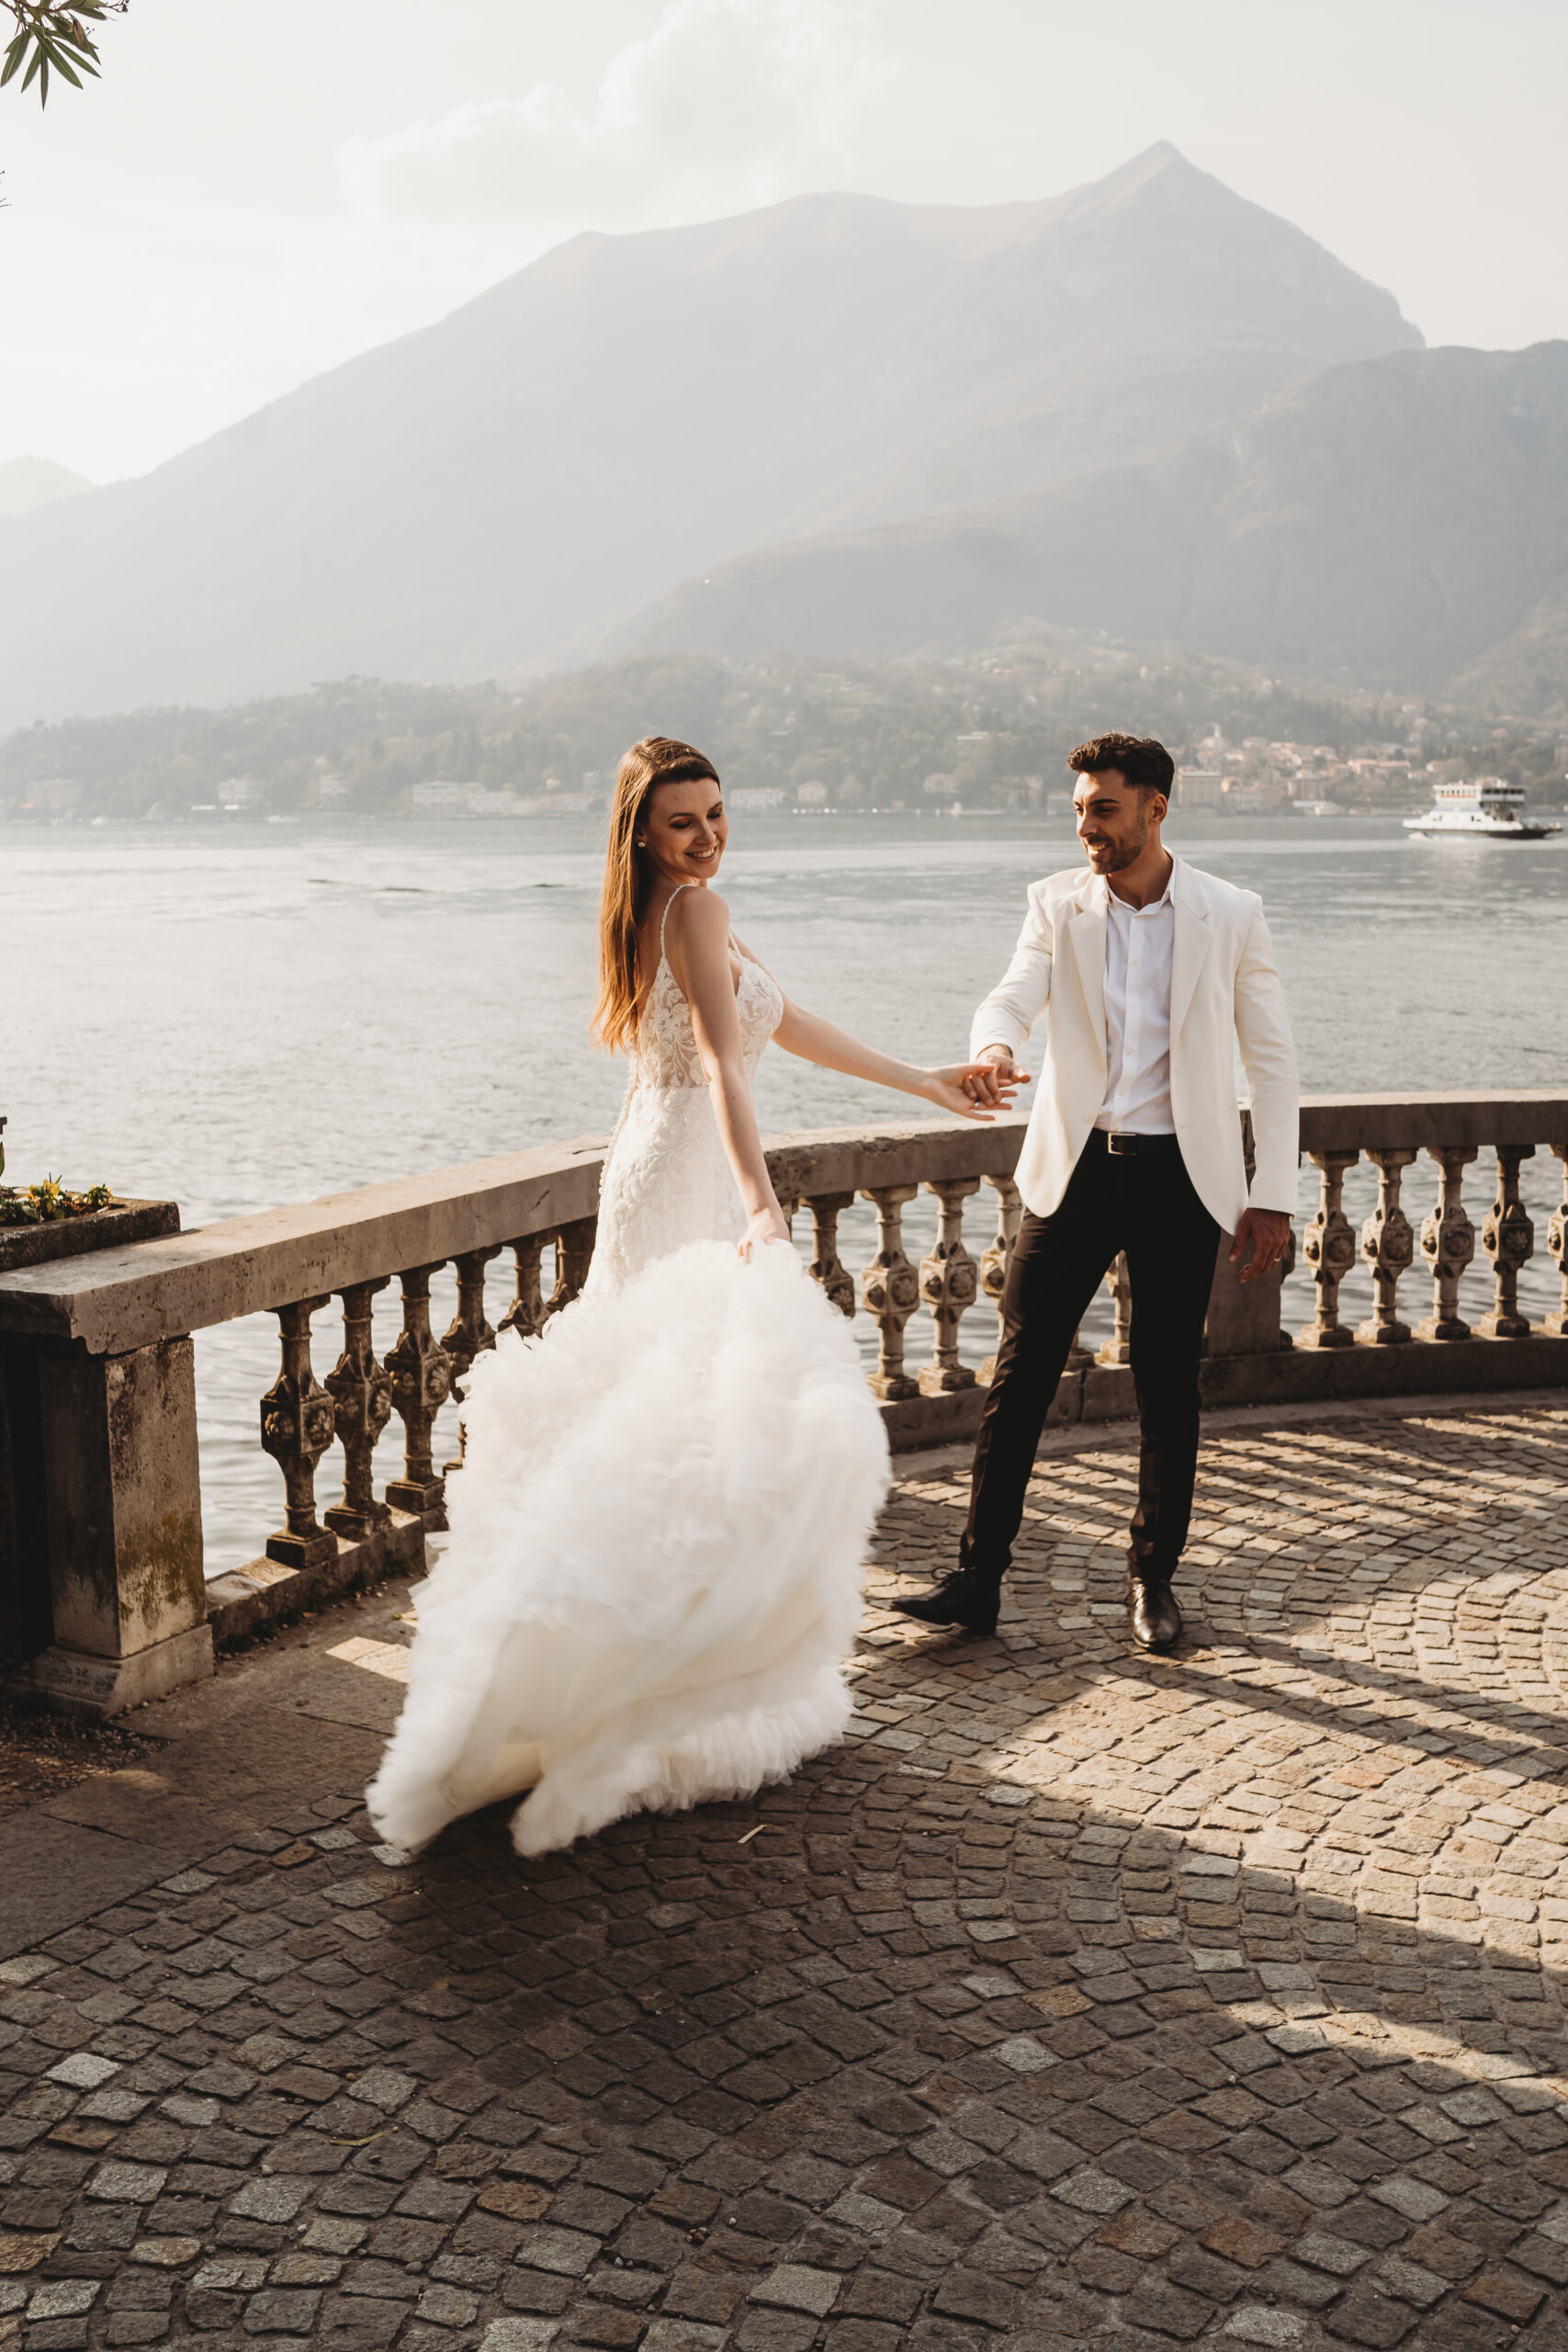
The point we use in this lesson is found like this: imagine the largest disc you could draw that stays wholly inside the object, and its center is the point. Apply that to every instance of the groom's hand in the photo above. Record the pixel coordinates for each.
(993, 1079)
(1261, 1239)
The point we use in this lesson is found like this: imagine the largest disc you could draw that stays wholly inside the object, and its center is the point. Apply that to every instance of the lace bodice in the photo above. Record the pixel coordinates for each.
(667, 1179)
(666, 1052)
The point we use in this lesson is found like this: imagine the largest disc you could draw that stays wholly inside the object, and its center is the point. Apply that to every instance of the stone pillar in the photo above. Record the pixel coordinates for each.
(1508, 1238)
(1388, 1245)
(890, 1291)
(527, 1313)
(421, 1374)
(469, 1335)
(950, 1281)
(826, 1268)
(1243, 1318)
(574, 1255)
(121, 1509)
(1118, 1349)
(298, 1421)
(1448, 1244)
(361, 1391)
(1328, 1246)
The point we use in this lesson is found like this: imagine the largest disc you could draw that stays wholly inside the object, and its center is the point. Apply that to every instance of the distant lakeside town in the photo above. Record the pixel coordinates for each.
(988, 737)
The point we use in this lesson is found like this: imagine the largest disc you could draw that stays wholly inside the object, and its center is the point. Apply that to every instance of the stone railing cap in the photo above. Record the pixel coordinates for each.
(129, 1298)
(118, 1299)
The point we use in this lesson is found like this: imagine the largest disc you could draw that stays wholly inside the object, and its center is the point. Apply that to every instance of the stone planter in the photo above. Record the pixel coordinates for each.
(70, 1237)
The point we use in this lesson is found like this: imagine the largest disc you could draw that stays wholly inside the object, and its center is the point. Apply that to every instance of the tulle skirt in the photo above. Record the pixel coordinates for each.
(653, 1575)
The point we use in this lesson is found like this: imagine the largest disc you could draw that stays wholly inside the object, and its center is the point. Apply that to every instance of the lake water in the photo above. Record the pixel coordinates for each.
(238, 1017)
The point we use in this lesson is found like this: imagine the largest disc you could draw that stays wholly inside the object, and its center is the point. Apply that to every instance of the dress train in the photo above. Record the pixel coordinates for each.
(653, 1577)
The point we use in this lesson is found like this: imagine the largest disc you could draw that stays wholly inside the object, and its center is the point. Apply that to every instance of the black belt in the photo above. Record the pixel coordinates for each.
(1121, 1146)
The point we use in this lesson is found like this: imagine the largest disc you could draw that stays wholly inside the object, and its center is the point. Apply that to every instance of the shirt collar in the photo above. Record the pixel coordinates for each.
(1110, 904)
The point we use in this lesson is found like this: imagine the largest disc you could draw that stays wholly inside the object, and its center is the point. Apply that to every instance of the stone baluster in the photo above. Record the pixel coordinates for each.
(1388, 1245)
(1118, 1349)
(1328, 1245)
(361, 1391)
(890, 1290)
(1556, 1323)
(949, 1282)
(421, 1374)
(298, 1424)
(826, 1267)
(1447, 1243)
(526, 1312)
(1508, 1236)
(574, 1255)
(468, 1335)
(998, 1256)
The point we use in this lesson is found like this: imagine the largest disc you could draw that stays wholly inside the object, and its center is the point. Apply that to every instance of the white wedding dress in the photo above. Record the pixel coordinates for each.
(653, 1573)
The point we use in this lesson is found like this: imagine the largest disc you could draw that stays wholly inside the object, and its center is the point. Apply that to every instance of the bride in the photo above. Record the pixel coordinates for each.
(653, 1574)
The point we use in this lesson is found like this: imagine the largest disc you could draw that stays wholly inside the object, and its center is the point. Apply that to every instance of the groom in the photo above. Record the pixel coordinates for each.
(1153, 972)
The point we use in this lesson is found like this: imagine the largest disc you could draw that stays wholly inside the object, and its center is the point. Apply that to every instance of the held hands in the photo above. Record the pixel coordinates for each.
(1261, 1239)
(975, 1090)
(991, 1079)
(763, 1225)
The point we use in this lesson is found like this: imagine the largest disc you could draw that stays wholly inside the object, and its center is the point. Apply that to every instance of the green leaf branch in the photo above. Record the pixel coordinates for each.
(53, 39)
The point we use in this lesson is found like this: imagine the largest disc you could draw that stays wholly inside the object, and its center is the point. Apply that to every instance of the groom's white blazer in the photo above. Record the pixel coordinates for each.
(1223, 988)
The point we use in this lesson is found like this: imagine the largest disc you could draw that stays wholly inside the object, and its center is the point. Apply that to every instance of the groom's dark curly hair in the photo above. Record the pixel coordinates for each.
(1146, 766)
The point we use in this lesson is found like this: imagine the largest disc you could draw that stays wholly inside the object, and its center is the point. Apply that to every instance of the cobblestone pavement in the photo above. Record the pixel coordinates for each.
(1082, 1998)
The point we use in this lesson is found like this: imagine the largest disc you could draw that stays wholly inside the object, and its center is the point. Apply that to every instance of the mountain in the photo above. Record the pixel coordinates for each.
(1134, 311)
(1399, 523)
(29, 482)
(628, 411)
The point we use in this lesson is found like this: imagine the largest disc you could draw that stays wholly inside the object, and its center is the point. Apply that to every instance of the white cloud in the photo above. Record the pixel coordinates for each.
(726, 104)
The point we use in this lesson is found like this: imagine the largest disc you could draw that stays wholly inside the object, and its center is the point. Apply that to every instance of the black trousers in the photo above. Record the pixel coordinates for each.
(1143, 1203)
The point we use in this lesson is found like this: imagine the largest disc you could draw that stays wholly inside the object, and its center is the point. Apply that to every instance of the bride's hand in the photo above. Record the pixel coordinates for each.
(973, 1090)
(767, 1225)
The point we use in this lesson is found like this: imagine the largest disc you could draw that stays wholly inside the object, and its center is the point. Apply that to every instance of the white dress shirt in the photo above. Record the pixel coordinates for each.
(1138, 944)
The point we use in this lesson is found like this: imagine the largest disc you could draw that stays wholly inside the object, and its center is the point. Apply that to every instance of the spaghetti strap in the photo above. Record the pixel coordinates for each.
(664, 918)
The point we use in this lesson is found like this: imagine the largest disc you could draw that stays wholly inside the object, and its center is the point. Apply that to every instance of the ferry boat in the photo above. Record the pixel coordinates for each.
(1488, 810)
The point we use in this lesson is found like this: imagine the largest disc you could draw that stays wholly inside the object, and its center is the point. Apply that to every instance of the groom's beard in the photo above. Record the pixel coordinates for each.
(1116, 856)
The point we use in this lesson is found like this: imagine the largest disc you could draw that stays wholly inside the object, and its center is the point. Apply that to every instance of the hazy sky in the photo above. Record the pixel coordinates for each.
(259, 189)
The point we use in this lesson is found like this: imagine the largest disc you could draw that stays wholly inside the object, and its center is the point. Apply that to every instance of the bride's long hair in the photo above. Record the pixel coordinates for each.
(628, 879)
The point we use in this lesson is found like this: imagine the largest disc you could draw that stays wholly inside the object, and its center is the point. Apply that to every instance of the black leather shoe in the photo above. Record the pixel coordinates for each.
(1155, 1619)
(963, 1598)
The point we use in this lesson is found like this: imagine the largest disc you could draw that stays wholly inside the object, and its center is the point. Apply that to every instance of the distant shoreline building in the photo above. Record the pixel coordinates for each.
(443, 797)
(240, 792)
(57, 795)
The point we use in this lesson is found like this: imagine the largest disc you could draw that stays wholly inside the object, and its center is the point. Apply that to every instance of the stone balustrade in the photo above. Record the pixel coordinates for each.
(100, 1515)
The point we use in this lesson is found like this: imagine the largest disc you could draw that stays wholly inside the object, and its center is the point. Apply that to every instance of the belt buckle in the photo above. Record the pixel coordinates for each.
(1123, 1147)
